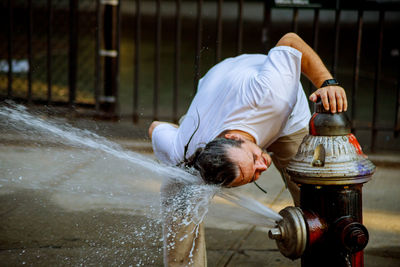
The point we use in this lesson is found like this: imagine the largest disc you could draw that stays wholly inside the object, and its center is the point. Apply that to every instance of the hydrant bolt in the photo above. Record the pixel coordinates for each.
(359, 239)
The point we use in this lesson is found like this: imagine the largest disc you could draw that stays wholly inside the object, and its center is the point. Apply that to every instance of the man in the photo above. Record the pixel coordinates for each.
(244, 105)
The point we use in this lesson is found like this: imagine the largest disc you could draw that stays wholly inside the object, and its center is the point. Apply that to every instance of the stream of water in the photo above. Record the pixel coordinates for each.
(68, 161)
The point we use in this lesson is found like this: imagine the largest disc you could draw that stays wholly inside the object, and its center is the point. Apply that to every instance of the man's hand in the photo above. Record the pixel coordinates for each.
(333, 98)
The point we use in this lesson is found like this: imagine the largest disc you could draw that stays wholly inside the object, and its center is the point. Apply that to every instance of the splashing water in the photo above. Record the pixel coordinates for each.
(269, 216)
(113, 177)
(83, 138)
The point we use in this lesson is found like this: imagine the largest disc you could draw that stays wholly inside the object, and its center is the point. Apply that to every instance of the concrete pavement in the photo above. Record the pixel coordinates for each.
(63, 206)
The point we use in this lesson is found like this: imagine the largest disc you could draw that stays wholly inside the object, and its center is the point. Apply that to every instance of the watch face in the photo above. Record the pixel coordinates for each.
(329, 82)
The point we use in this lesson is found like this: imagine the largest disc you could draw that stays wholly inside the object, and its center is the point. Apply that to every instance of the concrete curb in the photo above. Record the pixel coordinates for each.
(388, 159)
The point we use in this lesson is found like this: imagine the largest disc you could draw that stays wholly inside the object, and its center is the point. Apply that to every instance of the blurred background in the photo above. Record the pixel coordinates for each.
(140, 60)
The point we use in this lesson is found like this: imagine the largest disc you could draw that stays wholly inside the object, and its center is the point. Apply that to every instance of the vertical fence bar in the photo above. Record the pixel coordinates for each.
(30, 30)
(397, 120)
(10, 48)
(295, 19)
(73, 49)
(314, 40)
(177, 60)
(117, 60)
(199, 30)
(240, 27)
(219, 32)
(110, 53)
(157, 60)
(315, 29)
(97, 66)
(49, 49)
(336, 41)
(356, 70)
(137, 63)
(377, 79)
(265, 29)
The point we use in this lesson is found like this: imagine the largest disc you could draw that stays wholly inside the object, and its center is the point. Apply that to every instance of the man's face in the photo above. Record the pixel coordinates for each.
(251, 160)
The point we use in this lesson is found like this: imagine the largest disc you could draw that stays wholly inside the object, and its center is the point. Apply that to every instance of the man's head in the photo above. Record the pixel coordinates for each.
(230, 161)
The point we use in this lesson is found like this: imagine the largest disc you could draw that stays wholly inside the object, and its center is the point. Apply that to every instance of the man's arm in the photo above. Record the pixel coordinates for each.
(333, 97)
(154, 124)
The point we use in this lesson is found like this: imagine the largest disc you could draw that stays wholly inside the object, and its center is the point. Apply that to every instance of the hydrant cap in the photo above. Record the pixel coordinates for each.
(330, 154)
(325, 123)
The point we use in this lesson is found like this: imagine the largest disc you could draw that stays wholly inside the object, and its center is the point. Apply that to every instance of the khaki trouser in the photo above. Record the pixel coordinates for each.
(184, 241)
(184, 244)
(284, 148)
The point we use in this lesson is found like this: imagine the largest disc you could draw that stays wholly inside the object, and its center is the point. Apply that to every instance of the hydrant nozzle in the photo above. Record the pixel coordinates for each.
(275, 233)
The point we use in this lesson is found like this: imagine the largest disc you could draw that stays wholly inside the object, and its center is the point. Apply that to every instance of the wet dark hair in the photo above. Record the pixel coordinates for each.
(213, 162)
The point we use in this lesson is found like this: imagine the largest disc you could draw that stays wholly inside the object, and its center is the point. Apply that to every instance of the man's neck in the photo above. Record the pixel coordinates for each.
(242, 133)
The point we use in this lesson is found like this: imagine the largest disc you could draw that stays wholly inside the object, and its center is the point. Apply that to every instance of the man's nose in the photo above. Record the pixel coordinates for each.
(261, 166)
(268, 159)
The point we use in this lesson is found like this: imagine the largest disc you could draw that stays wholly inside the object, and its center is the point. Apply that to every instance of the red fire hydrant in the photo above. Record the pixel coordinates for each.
(330, 169)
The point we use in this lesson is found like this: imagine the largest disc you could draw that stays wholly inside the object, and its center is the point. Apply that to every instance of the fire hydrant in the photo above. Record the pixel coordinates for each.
(330, 169)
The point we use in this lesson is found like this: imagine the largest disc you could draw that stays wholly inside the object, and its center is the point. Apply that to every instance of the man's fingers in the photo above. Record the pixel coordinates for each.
(332, 100)
(344, 100)
(339, 102)
(341, 99)
(313, 97)
(324, 98)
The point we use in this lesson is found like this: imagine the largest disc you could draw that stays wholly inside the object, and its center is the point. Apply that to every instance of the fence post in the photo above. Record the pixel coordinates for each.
(265, 38)
(199, 32)
(177, 64)
(378, 70)
(397, 120)
(338, 11)
(157, 54)
(239, 44)
(356, 74)
(10, 48)
(218, 42)
(73, 49)
(30, 32)
(136, 62)
(49, 50)
(110, 52)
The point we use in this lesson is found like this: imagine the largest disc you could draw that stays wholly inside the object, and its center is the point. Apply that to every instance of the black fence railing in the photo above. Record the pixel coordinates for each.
(144, 58)
(42, 51)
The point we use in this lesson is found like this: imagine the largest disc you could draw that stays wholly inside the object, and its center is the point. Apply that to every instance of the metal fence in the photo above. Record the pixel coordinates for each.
(40, 52)
(144, 58)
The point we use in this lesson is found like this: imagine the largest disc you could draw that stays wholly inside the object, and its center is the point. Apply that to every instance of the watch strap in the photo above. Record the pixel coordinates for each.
(329, 82)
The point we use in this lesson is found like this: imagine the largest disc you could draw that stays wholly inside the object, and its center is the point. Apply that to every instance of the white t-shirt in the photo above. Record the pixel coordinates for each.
(261, 95)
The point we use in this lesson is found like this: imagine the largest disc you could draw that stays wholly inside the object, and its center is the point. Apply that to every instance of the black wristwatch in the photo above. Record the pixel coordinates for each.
(329, 82)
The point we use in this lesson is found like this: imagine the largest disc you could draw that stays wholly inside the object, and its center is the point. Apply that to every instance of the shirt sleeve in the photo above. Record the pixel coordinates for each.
(163, 142)
(281, 72)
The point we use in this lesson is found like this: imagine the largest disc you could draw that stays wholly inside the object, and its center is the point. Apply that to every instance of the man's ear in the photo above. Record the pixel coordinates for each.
(233, 136)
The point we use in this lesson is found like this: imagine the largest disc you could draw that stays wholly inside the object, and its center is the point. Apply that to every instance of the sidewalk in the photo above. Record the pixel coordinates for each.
(82, 212)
